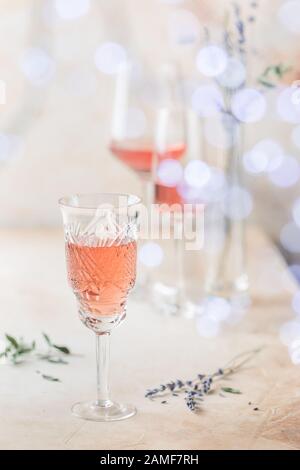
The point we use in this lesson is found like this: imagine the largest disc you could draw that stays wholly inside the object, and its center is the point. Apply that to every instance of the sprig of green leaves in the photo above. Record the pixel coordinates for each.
(17, 351)
(273, 74)
(235, 391)
(55, 352)
(50, 378)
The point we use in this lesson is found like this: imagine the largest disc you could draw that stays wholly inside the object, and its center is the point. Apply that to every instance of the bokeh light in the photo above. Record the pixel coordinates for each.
(287, 106)
(295, 271)
(248, 105)
(189, 194)
(234, 75)
(296, 212)
(296, 136)
(109, 57)
(255, 161)
(71, 10)
(265, 156)
(216, 187)
(208, 188)
(217, 308)
(169, 172)
(207, 100)
(294, 351)
(290, 237)
(183, 27)
(151, 254)
(296, 303)
(216, 134)
(290, 332)
(237, 203)
(289, 16)
(208, 327)
(287, 174)
(37, 66)
(197, 173)
(211, 61)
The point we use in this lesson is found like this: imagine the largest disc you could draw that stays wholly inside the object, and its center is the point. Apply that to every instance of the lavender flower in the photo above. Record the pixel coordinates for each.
(195, 390)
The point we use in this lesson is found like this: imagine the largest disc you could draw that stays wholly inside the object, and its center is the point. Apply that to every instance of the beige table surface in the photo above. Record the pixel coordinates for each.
(146, 350)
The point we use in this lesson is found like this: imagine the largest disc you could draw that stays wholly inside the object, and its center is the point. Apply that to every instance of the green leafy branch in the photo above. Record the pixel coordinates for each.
(273, 74)
(16, 351)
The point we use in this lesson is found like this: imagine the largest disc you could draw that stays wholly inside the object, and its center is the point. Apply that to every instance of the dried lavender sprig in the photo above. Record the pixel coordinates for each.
(197, 388)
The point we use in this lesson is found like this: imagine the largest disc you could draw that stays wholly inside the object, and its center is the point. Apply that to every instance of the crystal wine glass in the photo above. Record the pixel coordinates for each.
(100, 241)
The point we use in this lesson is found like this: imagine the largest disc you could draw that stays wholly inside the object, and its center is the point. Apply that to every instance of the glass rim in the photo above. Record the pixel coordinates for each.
(65, 201)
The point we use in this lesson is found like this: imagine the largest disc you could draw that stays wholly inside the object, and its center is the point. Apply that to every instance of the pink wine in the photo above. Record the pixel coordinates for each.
(101, 277)
(139, 157)
(166, 195)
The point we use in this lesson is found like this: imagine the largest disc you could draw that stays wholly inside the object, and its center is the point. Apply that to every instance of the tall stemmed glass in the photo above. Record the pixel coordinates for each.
(180, 178)
(133, 123)
(100, 240)
(131, 139)
(170, 152)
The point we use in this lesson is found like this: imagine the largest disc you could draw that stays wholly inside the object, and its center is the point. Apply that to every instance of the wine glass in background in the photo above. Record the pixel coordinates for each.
(138, 95)
(100, 236)
(133, 123)
(132, 137)
(170, 133)
(179, 181)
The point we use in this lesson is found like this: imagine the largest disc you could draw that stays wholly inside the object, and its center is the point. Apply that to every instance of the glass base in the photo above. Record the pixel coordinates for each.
(92, 411)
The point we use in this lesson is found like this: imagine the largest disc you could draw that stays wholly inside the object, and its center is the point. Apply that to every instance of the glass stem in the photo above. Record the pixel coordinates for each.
(102, 361)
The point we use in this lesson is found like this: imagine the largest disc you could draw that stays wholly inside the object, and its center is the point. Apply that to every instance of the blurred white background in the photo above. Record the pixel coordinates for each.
(57, 62)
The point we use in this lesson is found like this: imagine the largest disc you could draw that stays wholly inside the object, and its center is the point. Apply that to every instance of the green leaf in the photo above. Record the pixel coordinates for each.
(47, 339)
(275, 71)
(12, 341)
(23, 350)
(231, 390)
(50, 378)
(266, 83)
(52, 359)
(62, 349)
(267, 71)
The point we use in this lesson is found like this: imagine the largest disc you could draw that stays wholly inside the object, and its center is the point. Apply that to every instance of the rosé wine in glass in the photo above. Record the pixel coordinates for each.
(139, 157)
(102, 276)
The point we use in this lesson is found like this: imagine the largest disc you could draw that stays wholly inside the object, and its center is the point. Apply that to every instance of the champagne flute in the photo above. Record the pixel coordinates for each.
(100, 241)
(179, 179)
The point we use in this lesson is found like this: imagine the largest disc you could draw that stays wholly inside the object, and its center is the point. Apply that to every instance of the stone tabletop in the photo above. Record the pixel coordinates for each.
(146, 350)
